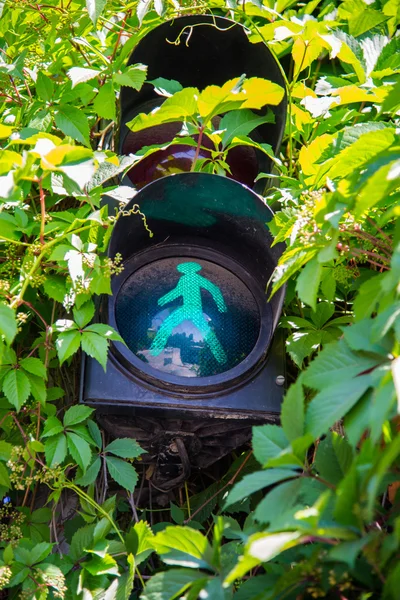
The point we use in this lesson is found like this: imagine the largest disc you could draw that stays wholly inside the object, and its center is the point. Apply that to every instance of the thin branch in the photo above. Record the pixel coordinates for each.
(230, 482)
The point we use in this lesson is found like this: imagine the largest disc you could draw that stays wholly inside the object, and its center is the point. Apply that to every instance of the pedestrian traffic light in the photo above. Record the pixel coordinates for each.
(200, 362)
(190, 305)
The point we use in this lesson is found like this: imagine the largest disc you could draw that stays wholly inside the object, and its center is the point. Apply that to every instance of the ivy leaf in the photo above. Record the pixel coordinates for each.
(84, 314)
(44, 87)
(333, 458)
(52, 426)
(268, 442)
(166, 87)
(183, 546)
(308, 282)
(38, 388)
(79, 449)
(302, 344)
(105, 102)
(96, 347)
(76, 414)
(91, 473)
(55, 449)
(4, 477)
(104, 331)
(8, 324)
(365, 20)
(332, 403)
(34, 366)
(292, 412)
(72, 122)
(67, 344)
(257, 481)
(134, 76)
(95, 8)
(16, 387)
(80, 75)
(122, 472)
(241, 122)
(171, 584)
(124, 448)
(336, 363)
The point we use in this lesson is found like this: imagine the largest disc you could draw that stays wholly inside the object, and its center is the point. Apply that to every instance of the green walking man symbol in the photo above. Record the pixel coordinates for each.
(189, 288)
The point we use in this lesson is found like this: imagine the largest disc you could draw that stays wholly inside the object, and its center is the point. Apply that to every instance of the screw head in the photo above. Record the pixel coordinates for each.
(280, 380)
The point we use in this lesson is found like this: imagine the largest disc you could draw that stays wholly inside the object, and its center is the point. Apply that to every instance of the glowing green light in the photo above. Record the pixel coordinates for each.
(189, 288)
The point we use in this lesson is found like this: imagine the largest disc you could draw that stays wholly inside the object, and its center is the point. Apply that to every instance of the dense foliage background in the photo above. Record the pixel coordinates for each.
(312, 510)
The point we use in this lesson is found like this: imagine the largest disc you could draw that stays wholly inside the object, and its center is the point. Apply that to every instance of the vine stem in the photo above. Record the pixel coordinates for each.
(94, 504)
(38, 260)
(42, 211)
(196, 155)
(230, 482)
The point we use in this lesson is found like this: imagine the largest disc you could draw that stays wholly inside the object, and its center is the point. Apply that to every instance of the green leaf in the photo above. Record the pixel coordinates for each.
(261, 548)
(183, 546)
(347, 552)
(16, 387)
(95, 433)
(79, 450)
(292, 412)
(171, 584)
(5, 450)
(77, 414)
(105, 102)
(385, 321)
(358, 336)
(38, 388)
(81, 540)
(361, 151)
(255, 482)
(302, 344)
(34, 366)
(365, 20)
(95, 346)
(280, 504)
(95, 8)
(134, 76)
(80, 75)
(166, 87)
(54, 286)
(139, 541)
(4, 477)
(241, 122)
(100, 565)
(8, 324)
(44, 87)
(122, 472)
(105, 331)
(125, 448)
(67, 344)
(84, 314)
(333, 458)
(268, 442)
(336, 363)
(332, 403)
(55, 449)
(91, 473)
(52, 426)
(176, 108)
(367, 298)
(308, 282)
(72, 122)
